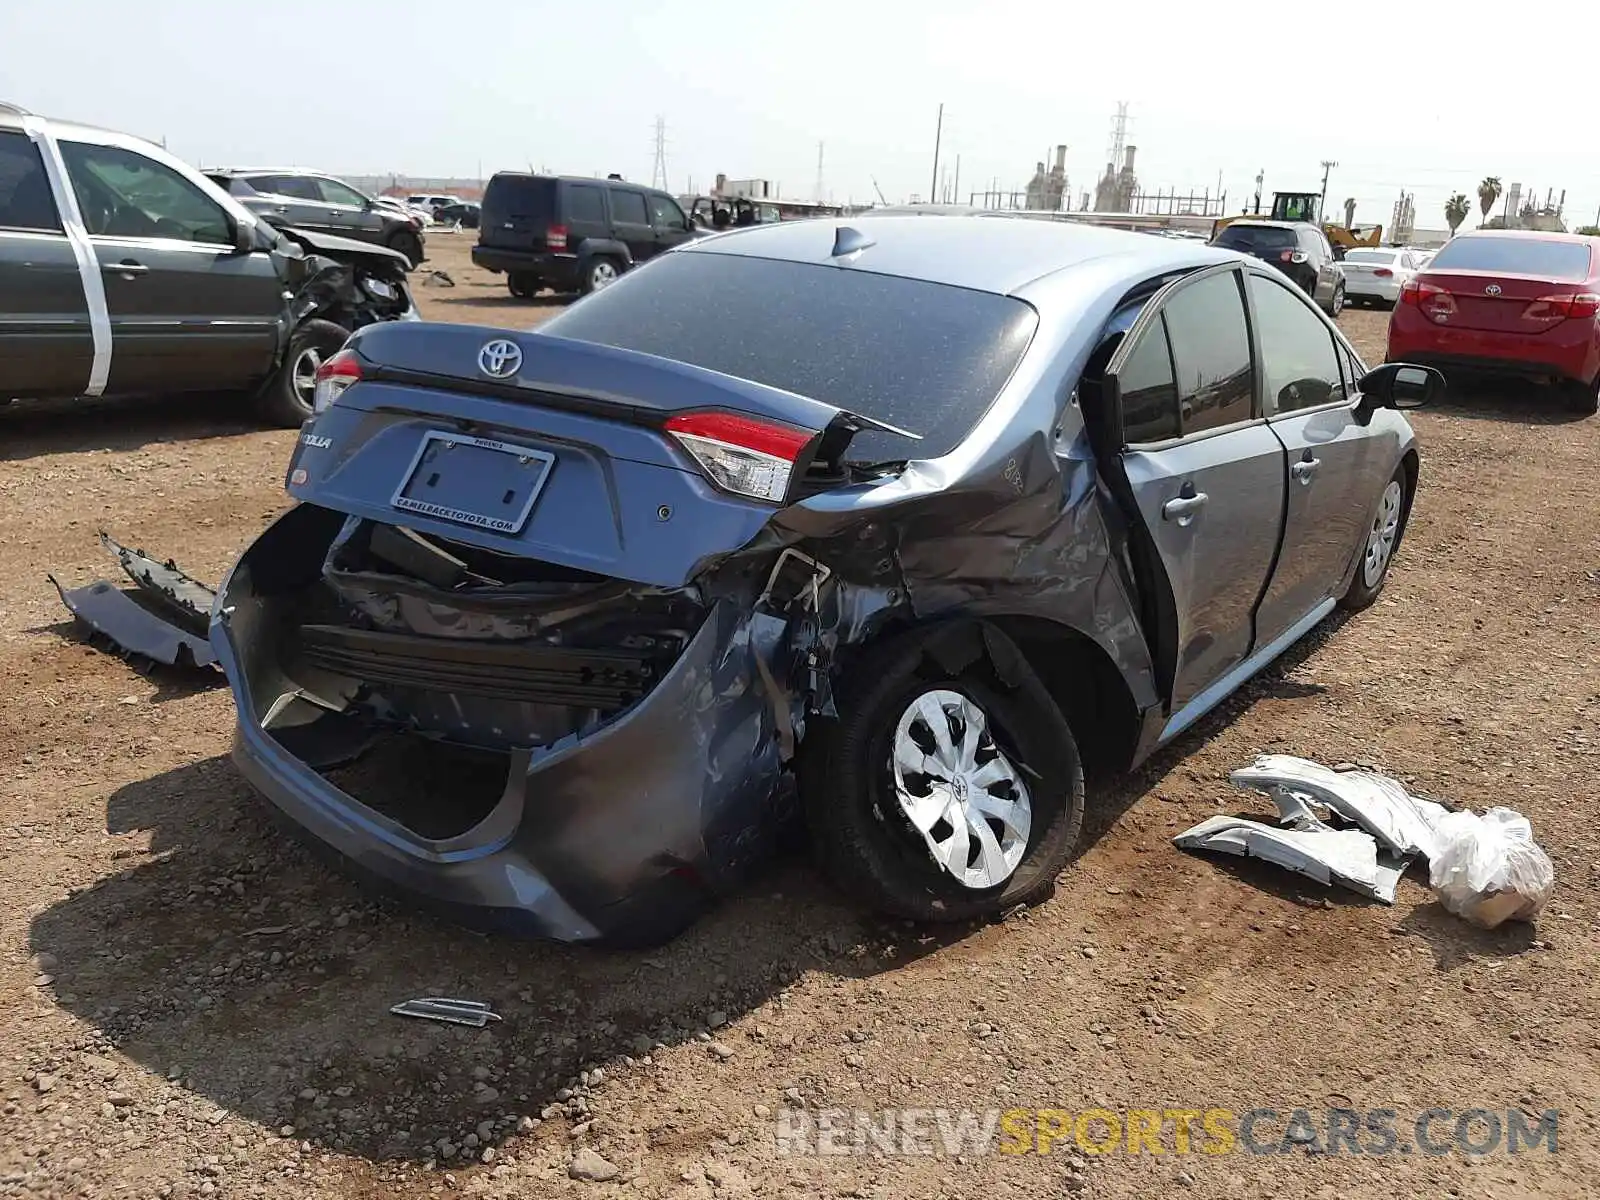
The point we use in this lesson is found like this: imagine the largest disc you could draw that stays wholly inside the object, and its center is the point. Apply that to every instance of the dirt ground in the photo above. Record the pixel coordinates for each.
(191, 1004)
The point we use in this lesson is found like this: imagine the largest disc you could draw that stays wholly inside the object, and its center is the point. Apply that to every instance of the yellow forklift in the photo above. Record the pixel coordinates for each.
(1305, 206)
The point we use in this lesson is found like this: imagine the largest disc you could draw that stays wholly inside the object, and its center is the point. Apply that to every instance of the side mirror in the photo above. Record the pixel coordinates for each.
(1397, 385)
(244, 236)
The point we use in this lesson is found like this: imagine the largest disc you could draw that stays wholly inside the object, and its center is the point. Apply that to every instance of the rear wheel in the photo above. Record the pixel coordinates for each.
(1336, 304)
(943, 793)
(408, 244)
(600, 273)
(1583, 398)
(1383, 540)
(286, 399)
(523, 284)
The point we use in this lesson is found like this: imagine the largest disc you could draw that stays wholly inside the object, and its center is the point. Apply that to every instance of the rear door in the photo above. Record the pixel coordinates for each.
(1206, 474)
(187, 310)
(1337, 467)
(349, 211)
(585, 213)
(46, 344)
(630, 218)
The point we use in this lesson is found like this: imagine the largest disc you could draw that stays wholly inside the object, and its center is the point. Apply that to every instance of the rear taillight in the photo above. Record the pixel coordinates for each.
(1434, 301)
(1560, 307)
(556, 237)
(1293, 256)
(1384, 273)
(743, 455)
(333, 376)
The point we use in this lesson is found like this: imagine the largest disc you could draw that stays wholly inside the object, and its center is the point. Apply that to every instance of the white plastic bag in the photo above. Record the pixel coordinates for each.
(1489, 869)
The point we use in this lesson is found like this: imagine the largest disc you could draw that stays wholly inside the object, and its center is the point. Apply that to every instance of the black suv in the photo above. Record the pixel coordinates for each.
(123, 271)
(572, 235)
(1297, 248)
(310, 200)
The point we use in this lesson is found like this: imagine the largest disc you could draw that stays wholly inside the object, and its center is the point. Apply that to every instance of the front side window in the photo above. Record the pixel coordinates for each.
(1299, 361)
(25, 199)
(1210, 353)
(124, 194)
(665, 213)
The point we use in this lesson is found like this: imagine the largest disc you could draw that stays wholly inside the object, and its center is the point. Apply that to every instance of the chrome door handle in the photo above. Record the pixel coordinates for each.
(1183, 508)
(125, 268)
(1305, 469)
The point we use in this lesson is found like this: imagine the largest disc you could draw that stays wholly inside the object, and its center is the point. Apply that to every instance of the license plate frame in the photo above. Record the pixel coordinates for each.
(436, 442)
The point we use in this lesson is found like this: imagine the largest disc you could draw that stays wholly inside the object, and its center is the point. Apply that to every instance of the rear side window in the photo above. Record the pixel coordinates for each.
(921, 356)
(1515, 256)
(628, 208)
(1253, 239)
(517, 197)
(584, 204)
(1211, 353)
(1148, 391)
(25, 199)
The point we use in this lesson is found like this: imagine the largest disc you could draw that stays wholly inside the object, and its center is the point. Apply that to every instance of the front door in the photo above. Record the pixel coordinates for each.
(1205, 472)
(349, 212)
(46, 342)
(630, 220)
(187, 310)
(671, 226)
(1335, 465)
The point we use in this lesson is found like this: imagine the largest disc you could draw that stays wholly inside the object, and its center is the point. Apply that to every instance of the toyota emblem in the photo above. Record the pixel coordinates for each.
(500, 358)
(1492, 290)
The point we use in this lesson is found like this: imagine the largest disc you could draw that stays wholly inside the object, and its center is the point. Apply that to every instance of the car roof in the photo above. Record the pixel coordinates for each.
(627, 183)
(978, 252)
(1530, 235)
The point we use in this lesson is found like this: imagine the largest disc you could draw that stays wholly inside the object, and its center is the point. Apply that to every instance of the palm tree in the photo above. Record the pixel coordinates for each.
(1455, 211)
(1488, 193)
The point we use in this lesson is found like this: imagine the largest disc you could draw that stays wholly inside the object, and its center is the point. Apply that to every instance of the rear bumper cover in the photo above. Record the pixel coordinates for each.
(1566, 353)
(552, 268)
(593, 835)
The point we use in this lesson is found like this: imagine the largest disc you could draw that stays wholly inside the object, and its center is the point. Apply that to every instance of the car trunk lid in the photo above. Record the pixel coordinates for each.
(538, 447)
(1501, 302)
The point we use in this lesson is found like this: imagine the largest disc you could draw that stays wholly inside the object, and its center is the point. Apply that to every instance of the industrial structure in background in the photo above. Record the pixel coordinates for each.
(1048, 191)
(1523, 211)
(1403, 221)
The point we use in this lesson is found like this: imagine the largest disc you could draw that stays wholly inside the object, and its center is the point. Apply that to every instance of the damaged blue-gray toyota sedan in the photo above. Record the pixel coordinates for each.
(890, 523)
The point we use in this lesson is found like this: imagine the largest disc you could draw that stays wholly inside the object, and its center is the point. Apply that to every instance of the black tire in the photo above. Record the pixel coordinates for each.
(1336, 301)
(860, 834)
(600, 272)
(523, 285)
(409, 244)
(285, 401)
(1582, 398)
(1362, 590)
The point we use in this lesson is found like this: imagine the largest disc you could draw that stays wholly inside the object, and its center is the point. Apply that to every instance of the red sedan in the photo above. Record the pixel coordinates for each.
(1508, 303)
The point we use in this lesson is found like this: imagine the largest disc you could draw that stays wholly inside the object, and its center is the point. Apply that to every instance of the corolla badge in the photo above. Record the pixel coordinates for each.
(500, 358)
(1492, 290)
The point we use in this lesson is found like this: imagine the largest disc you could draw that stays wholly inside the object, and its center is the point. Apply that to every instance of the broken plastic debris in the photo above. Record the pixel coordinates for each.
(1378, 804)
(445, 1008)
(1489, 869)
(1347, 857)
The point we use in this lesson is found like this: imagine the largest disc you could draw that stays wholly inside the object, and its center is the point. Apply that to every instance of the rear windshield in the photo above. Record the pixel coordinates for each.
(1255, 238)
(1386, 257)
(519, 196)
(1514, 256)
(921, 356)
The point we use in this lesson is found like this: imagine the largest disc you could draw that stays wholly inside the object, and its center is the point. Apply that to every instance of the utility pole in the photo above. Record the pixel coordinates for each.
(1327, 165)
(938, 136)
(819, 172)
(956, 189)
(1260, 176)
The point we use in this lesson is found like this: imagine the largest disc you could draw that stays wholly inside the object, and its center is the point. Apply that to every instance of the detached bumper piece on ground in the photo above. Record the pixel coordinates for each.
(1487, 869)
(163, 621)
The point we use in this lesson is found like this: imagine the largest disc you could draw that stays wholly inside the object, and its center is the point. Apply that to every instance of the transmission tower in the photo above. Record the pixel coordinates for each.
(658, 173)
(1119, 136)
(819, 172)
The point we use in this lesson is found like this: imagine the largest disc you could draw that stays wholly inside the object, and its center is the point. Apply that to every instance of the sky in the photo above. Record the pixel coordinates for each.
(1426, 98)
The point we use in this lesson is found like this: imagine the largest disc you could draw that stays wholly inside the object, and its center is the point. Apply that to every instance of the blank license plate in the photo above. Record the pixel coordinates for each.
(474, 481)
